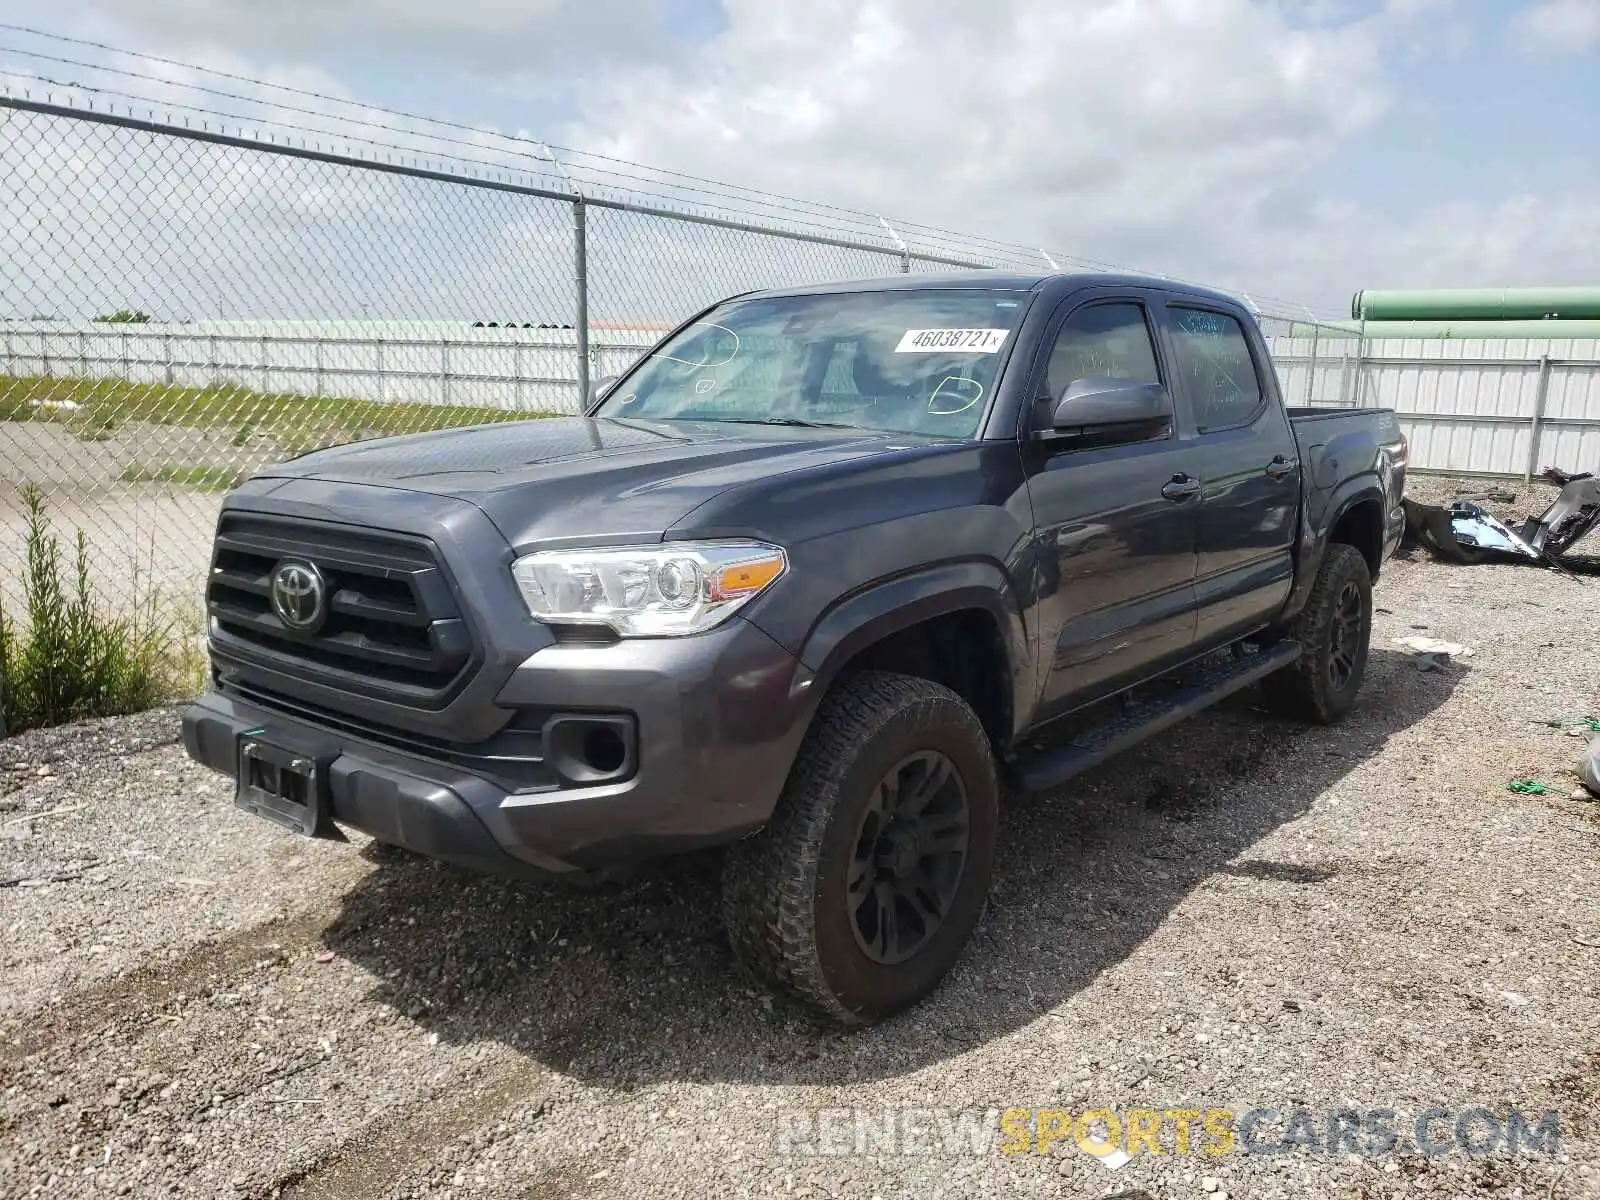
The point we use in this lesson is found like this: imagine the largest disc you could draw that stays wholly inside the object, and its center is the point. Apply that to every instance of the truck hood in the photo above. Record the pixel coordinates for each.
(572, 479)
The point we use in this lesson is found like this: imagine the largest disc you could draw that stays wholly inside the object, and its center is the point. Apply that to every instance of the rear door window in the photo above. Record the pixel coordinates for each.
(1211, 355)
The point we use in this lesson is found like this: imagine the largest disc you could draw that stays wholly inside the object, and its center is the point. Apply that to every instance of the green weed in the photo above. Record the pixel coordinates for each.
(67, 660)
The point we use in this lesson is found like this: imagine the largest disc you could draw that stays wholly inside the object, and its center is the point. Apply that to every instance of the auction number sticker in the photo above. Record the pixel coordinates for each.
(952, 341)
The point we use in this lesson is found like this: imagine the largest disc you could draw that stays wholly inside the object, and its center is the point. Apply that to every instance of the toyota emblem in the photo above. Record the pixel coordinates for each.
(299, 596)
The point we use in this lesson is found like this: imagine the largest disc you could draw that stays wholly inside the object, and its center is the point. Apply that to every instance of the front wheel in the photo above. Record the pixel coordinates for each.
(1334, 631)
(860, 894)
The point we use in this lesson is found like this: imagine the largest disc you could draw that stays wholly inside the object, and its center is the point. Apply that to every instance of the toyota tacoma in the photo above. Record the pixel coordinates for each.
(814, 580)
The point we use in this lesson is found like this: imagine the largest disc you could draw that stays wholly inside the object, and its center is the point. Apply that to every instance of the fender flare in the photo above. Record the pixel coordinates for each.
(885, 607)
(1314, 542)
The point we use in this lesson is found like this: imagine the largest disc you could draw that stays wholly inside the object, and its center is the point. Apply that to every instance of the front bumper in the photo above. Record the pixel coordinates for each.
(719, 718)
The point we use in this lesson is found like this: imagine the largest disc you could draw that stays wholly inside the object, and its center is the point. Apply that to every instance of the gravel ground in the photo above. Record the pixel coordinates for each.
(1243, 914)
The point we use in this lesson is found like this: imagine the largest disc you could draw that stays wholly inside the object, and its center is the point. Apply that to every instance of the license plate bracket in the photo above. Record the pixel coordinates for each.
(284, 786)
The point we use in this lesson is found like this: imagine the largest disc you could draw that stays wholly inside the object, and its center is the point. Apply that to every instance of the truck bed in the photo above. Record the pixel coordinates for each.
(1312, 412)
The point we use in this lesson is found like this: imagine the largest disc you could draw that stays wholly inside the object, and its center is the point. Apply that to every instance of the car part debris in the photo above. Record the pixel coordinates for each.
(1463, 533)
(1428, 525)
(1561, 478)
(1481, 531)
(1573, 516)
(1467, 533)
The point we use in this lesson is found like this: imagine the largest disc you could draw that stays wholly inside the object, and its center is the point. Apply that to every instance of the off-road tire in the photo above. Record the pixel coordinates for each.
(1307, 690)
(784, 889)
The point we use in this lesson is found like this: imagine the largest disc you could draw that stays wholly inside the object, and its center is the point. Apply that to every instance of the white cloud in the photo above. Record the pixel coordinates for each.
(1202, 138)
(1568, 26)
(501, 37)
(1189, 136)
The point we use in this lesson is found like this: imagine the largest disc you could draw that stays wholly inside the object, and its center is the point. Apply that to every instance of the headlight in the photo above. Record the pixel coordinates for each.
(667, 590)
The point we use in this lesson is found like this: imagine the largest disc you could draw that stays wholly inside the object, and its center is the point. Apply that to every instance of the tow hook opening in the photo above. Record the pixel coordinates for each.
(591, 748)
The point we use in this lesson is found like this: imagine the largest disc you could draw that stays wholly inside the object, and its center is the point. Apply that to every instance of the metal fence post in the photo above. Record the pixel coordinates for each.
(1311, 368)
(381, 389)
(905, 251)
(264, 378)
(1359, 389)
(166, 359)
(1540, 395)
(444, 370)
(316, 357)
(580, 239)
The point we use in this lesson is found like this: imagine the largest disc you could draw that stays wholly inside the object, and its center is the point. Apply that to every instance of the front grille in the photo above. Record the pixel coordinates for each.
(393, 628)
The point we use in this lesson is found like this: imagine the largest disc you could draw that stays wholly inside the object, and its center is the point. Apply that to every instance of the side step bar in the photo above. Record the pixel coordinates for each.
(1050, 767)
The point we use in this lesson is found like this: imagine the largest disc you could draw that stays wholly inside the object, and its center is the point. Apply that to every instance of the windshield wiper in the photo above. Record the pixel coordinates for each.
(791, 422)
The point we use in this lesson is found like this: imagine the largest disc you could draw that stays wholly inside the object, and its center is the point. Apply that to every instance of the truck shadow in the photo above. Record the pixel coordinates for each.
(631, 984)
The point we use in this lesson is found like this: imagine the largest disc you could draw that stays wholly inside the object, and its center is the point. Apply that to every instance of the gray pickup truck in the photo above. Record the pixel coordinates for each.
(812, 580)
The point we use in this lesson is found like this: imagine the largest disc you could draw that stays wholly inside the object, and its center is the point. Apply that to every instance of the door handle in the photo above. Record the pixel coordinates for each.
(1180, 487)
(1280, 467)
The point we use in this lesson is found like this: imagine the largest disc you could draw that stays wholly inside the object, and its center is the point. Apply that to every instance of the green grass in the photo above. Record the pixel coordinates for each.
(67, 659)
(205, 479)
(302, 422)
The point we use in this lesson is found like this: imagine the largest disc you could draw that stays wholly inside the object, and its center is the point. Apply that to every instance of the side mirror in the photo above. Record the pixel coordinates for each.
(599, 387)
(1097, 402)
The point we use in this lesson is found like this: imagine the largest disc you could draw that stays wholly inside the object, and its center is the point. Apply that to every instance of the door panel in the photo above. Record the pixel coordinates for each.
(1249, 504)
(1116, 558)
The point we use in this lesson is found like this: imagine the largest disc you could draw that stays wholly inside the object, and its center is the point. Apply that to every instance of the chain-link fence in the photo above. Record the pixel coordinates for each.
(184, 300)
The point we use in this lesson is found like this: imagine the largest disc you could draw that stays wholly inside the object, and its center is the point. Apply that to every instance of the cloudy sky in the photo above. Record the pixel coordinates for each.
(1296, 148)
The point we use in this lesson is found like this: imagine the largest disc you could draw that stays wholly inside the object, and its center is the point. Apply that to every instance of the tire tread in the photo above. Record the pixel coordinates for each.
(769, 879)
(1300, 690)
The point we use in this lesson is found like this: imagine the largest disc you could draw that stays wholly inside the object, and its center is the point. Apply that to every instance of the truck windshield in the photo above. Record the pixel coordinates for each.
(900, 361)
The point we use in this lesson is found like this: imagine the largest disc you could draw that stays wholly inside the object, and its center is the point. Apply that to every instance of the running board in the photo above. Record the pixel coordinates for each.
(1054, 765)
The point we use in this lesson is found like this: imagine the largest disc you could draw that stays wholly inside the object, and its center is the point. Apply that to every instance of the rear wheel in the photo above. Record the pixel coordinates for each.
(1334, 631)
(860, 894)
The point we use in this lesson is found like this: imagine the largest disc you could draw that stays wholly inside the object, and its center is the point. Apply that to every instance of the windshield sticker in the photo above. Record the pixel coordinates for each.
(952, 341)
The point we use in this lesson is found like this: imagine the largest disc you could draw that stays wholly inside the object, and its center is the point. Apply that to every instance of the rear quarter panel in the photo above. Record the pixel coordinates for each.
(1349, 457)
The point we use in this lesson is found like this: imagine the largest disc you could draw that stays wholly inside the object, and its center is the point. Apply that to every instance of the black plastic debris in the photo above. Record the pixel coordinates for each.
(1571, 518)
(1467, 533)
(1463, 533)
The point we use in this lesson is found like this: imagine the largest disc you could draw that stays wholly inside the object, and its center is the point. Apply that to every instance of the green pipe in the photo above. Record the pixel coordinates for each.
(1343, 331)
(1478, 304)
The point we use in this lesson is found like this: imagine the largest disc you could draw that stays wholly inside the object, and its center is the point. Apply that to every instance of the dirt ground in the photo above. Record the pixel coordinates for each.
(141, 536)
(1243, 914)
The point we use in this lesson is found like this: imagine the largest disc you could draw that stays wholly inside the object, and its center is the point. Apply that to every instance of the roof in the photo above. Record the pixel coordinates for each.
(995, 280)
